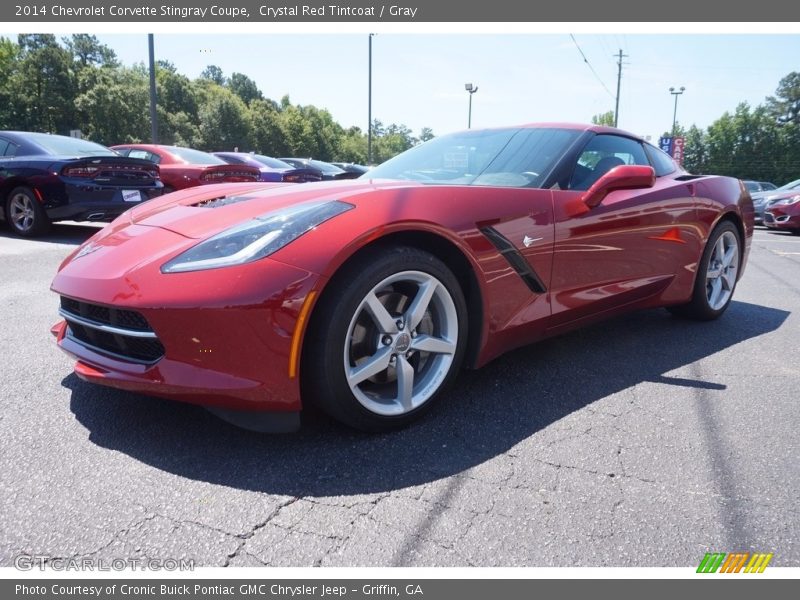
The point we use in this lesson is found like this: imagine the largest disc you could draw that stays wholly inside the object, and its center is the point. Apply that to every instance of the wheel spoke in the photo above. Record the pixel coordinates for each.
(427, 343)
(372, 366)
(730, 256)
(381, 316)
(420, 304)
(405, 383)
(716, 290)
(719, 250)
(713, 273)
(728, 280)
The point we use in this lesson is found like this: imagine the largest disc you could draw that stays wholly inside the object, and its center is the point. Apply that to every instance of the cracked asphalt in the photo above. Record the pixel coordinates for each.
(644, 441)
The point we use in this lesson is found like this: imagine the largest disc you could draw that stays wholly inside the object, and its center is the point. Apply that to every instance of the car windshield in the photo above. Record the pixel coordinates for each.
(195, 157)
(69, 146)
(752, 186)
(496, 157)
(789, 186)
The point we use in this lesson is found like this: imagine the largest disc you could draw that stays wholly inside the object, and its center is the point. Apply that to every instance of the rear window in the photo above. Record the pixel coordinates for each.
(195, 157)
(271, 162)
(68, 146)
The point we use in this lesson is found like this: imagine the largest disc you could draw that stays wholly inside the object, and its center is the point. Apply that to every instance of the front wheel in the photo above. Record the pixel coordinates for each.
(717, 275)
(388, 338)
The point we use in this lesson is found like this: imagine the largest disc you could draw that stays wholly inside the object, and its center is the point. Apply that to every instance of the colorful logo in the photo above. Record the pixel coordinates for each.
(714, 562)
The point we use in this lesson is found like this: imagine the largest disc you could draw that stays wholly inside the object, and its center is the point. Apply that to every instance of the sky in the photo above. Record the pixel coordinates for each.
(418, 78)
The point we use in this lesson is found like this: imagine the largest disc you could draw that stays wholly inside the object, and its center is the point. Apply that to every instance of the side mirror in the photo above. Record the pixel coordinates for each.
(623, 177)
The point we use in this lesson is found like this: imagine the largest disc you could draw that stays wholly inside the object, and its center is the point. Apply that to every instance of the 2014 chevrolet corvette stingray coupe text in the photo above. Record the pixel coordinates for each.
(367, 296)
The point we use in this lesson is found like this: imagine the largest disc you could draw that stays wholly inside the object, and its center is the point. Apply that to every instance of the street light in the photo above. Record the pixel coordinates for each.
(369, 104)
(471, 89)
(675, 93)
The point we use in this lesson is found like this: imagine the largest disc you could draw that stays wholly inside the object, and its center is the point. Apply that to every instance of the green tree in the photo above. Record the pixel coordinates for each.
(224, 122)
(88, 50)
(9, 58)
(43, 85)
(266, 135)
(213, 73)
(606, 118)
(695, 154)
(245, 88)
(425, 134)
(784, 106)
(116, 106)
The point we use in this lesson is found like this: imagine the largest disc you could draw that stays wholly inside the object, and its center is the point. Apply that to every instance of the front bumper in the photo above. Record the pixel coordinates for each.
(227, 333)
(777, 218)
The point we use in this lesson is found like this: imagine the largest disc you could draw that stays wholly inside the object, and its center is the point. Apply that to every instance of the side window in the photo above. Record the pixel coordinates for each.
(662, 163)
(3, 147)
(603, 153)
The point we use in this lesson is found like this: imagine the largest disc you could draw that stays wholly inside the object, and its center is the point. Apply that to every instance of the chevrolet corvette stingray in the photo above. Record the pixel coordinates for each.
(367, 296)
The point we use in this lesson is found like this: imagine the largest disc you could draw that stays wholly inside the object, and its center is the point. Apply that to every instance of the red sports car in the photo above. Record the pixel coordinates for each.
(184, 167)
(784, 214)
(367, 296)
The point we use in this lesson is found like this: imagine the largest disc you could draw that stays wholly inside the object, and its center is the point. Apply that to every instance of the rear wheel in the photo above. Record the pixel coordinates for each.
(25, 214)
(389, 337)
(717, 275)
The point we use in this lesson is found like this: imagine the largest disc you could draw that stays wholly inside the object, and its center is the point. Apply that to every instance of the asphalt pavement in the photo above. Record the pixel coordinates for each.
(647, 440)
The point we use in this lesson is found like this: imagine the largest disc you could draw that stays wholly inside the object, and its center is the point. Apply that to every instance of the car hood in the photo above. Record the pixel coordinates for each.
(773, 195)
(199, 213)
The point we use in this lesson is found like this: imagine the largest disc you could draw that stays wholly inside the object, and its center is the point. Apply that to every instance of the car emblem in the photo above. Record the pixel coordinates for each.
(528, 241)
(87, 249)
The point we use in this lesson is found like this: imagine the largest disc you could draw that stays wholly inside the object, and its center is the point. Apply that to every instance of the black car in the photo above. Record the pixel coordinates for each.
(356, 169)
(46, 178)
(326, 170)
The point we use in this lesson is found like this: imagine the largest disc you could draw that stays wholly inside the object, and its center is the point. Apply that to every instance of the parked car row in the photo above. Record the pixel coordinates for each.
(780, 209)
(774, 208)
(46, 178)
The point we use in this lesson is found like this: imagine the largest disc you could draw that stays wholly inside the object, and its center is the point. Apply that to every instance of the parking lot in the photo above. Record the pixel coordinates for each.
(644, 441)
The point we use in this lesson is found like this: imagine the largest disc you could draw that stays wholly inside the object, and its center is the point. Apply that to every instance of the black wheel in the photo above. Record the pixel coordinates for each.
(795, 231)
(717, 274)
(387, 339)
(24, 213)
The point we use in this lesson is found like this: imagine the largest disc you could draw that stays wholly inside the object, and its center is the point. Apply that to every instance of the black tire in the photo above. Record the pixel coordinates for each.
(25, 214)
(344, 336)
(702, 306)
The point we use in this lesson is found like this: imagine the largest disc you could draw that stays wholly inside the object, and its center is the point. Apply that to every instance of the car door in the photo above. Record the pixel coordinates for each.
(628, 249)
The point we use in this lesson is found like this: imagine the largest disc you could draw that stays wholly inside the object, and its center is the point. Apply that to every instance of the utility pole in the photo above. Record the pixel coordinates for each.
(619, 56)
(369, 105)
(153, 111)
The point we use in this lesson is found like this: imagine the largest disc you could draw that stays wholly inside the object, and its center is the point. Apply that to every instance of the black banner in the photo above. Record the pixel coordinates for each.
(403, 11)
(371, 589)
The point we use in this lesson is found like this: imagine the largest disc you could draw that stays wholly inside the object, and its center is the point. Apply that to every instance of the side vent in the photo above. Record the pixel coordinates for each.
(515, 259)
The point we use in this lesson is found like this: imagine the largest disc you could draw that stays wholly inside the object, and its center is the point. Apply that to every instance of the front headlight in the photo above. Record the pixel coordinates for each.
(256, 238)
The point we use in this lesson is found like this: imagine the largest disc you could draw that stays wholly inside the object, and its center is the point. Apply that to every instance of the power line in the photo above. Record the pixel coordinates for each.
(591, 68)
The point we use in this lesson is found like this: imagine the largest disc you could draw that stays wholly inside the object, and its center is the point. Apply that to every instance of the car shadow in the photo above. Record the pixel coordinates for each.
(487, 412)
(60, 233)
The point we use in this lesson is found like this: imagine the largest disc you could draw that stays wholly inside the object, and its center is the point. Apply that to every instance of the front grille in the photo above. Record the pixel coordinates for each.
(120, 333)
(106, 315)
